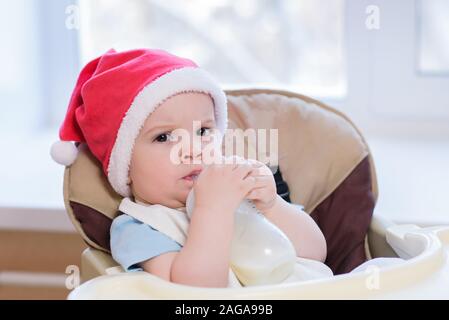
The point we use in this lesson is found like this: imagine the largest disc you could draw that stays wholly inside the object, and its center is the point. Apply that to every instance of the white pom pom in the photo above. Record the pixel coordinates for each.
(64, 152)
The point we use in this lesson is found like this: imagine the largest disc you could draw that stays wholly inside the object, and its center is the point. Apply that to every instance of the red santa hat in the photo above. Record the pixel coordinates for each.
(114, 95)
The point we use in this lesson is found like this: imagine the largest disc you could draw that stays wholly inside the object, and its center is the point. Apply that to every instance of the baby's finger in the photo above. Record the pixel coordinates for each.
(261, 171)
(256, 194)
(256, 172)
(260, 181)
(248, 184)
(242, 171)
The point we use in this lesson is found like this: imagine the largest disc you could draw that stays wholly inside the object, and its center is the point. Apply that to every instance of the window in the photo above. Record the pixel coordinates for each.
(391, 80)
(286, 44)
(433, 33)
(39, 63)
(385, 93)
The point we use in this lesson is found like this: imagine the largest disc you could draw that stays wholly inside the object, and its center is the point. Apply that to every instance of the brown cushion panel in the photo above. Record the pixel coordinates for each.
(96, 225)
(344, 218)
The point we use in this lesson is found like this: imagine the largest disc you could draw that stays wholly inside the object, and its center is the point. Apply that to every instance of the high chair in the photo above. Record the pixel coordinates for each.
(328, 168)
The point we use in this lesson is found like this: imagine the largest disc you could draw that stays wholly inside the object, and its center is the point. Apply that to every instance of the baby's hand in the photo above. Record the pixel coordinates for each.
(223, 186)
(264, 193)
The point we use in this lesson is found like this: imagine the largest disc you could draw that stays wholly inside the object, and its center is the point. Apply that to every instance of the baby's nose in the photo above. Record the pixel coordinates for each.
(191, 153)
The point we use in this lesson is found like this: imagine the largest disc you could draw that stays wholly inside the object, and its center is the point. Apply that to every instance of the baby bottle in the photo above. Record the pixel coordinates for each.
(261, 253)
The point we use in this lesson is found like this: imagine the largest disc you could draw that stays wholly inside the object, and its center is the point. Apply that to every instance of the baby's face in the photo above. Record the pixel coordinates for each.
(154, 177)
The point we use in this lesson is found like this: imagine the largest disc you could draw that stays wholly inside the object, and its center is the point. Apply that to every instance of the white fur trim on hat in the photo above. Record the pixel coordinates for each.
(156, 92)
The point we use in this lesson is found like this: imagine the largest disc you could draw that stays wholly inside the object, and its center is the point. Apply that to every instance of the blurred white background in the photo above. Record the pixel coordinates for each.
(384, 63)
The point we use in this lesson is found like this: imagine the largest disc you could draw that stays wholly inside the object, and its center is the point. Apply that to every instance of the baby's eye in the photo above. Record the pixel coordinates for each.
(203, 131)
(164, 137)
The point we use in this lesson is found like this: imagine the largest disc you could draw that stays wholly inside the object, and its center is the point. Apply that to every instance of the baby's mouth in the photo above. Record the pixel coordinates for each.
(192, 175)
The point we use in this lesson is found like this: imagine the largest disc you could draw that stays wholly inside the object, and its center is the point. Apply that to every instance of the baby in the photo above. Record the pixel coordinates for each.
(129, 107)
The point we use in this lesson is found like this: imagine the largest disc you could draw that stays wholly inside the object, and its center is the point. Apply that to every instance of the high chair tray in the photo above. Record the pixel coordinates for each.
(423, 275)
